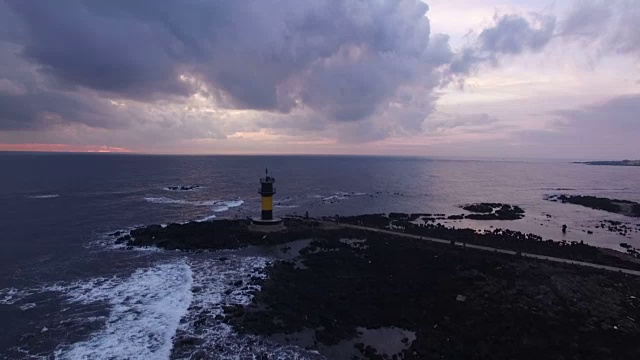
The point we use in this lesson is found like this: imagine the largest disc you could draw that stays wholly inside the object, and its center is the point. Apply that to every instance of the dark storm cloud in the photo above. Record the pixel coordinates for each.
(42, 109)
(369, 67)
(264, 55)
(80, 43)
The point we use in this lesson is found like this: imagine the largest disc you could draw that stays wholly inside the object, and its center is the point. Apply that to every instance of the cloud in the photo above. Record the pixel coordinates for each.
(617, 116)
(513, 34)
(350, 71)
(613, 26)
(443, 122)
(42, 109)
(62, 148)
(342, 59)
(510, 34)
(327, 62)
(10, 87)
(586, 19)
(607, 130)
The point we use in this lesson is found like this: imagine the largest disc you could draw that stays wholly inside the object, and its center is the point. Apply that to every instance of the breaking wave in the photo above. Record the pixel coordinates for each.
(183, 187)
(220, 205)
(226, 205)
(169, 310)
(145, 312)
(206, 218)
(341, 195)
(217, 284)
(47, 196)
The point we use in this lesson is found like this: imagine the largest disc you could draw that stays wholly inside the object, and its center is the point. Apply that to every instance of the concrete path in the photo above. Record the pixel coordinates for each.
(486, 248)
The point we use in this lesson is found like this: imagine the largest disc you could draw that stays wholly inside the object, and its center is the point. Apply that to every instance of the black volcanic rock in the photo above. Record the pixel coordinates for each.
(183, 187)
(494, 211)
(612, 163)
(624, 207)
(514, 305)
(515, 308)
(215, 235)
(499, 238)
(481, 208)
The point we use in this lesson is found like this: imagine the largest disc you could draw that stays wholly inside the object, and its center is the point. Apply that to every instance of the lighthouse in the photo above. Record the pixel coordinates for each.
(267, 190)
(267, 222)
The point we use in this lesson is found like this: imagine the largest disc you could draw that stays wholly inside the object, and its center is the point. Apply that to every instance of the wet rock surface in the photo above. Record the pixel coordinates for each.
(215, 235)
(498, 238)
(623, 207)
(235, 234)
(514, 308)
(493, 211)
(618, 227)
(346, 280)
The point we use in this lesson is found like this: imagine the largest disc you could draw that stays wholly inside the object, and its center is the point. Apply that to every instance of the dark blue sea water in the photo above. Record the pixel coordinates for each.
(67, 291)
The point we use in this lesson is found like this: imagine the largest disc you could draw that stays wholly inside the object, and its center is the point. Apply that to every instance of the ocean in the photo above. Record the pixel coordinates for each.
(67, 291)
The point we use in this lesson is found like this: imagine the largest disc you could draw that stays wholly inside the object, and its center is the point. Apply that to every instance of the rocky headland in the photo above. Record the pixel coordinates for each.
(455, 302)
(358, 293)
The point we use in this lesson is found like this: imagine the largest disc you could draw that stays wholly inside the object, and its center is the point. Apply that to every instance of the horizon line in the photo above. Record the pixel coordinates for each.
(426, 157)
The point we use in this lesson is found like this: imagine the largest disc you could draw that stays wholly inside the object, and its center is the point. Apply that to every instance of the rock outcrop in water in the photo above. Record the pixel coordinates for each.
(612, 163)
(623, 207)
(494, 211)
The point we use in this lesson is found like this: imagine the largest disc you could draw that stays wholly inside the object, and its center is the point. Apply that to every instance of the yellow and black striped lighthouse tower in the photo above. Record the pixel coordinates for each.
(267, 190)
(267, 222)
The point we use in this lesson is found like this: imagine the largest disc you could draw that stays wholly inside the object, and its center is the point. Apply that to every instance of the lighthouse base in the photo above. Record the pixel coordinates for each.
(257, 224)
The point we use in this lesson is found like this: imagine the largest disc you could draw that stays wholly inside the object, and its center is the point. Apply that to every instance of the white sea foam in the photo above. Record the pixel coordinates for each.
(217, 284)
(47, 196)
(27, 306)
(165, 200)
(341, 195)
(152, 310)
(184, 188)
(226, 205)
(334, 197)
(220, 205)
(206, 218)
(286, 206)
(10, 296)
(145, 310)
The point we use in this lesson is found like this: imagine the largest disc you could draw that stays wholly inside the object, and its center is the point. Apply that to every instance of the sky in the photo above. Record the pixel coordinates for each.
(458, 78)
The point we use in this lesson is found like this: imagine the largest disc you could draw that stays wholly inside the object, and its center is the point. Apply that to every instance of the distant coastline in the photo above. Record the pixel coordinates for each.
(611, 163)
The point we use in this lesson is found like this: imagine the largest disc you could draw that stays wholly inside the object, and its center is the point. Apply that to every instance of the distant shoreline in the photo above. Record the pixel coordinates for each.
(611, 163)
